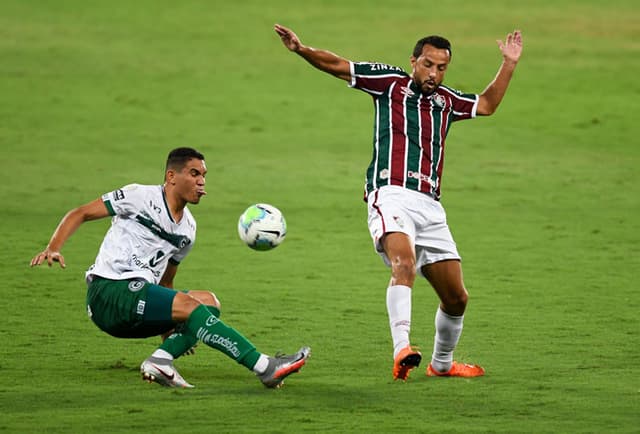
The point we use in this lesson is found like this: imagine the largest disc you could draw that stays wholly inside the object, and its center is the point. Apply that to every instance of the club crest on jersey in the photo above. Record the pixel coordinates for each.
(438, 100)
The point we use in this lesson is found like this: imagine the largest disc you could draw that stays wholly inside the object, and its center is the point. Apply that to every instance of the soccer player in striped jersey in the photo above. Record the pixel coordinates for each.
(130, 286)
(413, 113)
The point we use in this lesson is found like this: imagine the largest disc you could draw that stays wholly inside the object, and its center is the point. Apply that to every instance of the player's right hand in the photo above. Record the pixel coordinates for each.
(50, 257)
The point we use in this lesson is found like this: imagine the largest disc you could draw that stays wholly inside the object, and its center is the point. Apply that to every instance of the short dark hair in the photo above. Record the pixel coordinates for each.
(179, 157)
(433, 40)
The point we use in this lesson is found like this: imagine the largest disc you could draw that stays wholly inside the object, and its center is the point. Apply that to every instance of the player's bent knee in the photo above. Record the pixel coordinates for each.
(455, 303)
(404, 270)
(214, 300)
(183, 305)
(207, 298)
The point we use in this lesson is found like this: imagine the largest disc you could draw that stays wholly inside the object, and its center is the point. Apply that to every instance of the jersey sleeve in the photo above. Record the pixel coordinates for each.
(374, 78)
(464, 105)
(177, 258)
(123, 200)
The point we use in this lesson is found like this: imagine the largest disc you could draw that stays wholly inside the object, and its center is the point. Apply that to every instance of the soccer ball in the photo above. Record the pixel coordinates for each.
(262, 227)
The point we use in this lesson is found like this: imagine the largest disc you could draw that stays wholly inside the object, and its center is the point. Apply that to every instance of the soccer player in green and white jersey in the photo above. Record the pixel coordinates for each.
(130, 287)
(413, 113)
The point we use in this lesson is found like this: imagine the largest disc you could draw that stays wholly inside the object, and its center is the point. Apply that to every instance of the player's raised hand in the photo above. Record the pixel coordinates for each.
(50, 257)
(511, 48)
(289, 39)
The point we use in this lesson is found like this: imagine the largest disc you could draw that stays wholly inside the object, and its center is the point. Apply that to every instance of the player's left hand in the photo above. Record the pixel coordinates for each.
(511, 48)
(288, 37)
(50, 257)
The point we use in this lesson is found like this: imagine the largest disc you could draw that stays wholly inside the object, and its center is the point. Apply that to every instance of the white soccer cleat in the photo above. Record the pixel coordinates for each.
(162, 371)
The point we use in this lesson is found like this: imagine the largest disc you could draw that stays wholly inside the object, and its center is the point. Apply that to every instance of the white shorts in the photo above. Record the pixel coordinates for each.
(422, 218)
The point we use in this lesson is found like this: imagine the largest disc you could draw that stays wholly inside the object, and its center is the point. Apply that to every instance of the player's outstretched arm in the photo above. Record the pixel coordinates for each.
(491, 97)
(322, 59)
(67, 226)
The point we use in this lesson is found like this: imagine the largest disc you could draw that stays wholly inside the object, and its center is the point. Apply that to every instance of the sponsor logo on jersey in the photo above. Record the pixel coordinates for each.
(156, 259)
(384, 174)
(420, 176)
(383, 67)
(155, 207)
(140, 263)
(118, 195)
(406, 91)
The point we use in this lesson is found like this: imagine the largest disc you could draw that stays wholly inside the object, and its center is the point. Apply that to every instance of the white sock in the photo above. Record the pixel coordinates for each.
(448, 330)
(162, 354)
(261, 365)
(399, 310)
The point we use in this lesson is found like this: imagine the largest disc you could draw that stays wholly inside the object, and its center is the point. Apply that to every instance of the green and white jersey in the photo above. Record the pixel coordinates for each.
(143, 236)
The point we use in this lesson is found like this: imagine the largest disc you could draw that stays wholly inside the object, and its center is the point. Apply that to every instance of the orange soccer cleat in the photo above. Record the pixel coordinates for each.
(457, 370)
(407, 359)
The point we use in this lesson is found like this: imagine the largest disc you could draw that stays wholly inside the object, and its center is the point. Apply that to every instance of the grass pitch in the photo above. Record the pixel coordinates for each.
(542, 198)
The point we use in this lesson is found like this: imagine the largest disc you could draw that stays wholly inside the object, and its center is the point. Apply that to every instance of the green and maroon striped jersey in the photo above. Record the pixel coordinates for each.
(410, 127)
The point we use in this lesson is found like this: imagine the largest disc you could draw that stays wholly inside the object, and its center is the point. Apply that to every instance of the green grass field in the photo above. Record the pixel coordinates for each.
(543, 199)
